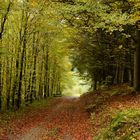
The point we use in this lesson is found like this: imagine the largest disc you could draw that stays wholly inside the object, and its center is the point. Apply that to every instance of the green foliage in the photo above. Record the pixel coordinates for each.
(124, 126)
(105, 38)
(35, 60)
(40, 39)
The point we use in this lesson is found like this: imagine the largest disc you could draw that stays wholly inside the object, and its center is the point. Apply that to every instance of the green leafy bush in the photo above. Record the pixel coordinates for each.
(124, 126)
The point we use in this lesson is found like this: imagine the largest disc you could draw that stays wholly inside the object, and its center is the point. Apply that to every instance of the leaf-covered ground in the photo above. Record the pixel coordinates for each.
(68, 118)
(108, 103)
(63, 119)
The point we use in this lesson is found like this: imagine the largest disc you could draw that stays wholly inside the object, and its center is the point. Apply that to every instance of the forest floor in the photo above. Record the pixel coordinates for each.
(64, 118)
(68, 118)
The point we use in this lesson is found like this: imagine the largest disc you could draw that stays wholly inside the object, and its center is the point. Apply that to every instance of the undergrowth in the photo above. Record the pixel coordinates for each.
(5, 116)
(124, 126)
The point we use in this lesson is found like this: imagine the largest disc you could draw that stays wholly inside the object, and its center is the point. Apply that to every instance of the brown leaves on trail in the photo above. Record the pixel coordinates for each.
(63, 119)
(21, 123)
(69, 122)
(66, 118)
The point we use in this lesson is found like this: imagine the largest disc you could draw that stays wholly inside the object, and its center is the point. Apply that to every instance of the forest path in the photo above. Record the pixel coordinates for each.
(63, 119)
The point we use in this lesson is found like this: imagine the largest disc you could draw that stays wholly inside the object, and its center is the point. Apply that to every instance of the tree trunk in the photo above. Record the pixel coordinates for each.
(33, 83)
(4, 18)
(126, 75)
(137, 63)
(95, 84)
(0, 78)
(21, 69)
(46, 74)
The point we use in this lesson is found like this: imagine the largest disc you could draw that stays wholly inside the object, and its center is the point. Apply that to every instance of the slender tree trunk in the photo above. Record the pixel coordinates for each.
(17, 65)
(95, 84)
(33, 83)
(4, 20)
(126, 75)
(0, 77)
(40, 90)
(46, 74)
(53, 80)
(117, 74)
(8, 79)
(26, 96)
(131, 59)
(48, 86)
(1, 34)
(24, 44)
(15, 85)
(21, 72)
(137, 63)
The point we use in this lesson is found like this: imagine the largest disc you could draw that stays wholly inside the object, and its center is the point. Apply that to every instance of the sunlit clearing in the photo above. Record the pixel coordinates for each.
(79, 87)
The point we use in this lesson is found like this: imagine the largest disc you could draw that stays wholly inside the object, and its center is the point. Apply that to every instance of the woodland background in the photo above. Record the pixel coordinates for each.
(42, 42)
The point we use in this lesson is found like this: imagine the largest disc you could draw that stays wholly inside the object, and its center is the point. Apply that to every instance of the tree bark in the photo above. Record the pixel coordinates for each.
(137, 63)
(4, 18)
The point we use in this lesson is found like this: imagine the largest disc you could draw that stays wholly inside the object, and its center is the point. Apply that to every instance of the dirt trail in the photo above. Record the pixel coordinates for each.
(66, 119)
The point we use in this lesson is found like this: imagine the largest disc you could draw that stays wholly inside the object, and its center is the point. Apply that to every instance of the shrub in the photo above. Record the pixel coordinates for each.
(124, 126)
